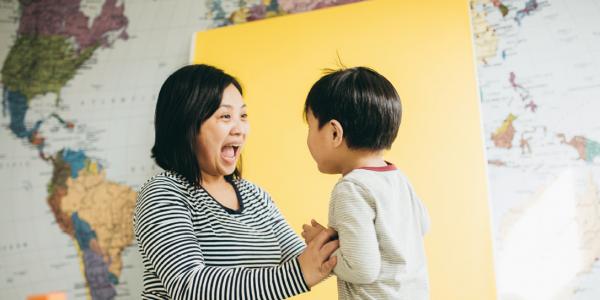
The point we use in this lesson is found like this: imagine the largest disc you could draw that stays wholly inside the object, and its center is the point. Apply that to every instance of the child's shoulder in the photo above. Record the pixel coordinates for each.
(370, 177)
(376, 184)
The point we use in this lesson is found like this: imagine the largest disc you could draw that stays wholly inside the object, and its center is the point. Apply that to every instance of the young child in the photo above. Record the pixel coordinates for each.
(353, 116)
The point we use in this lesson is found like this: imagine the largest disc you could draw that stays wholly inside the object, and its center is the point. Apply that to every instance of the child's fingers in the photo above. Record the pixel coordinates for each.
(316, 224)
(306, 227)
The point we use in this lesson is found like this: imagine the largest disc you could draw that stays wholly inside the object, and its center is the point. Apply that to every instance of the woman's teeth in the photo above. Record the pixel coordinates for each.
(230, 150)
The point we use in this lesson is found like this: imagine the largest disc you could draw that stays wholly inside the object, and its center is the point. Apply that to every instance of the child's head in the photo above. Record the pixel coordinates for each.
(356, 109)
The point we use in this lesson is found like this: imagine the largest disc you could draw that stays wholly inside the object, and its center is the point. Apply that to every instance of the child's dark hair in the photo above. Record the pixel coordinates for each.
(363, 101)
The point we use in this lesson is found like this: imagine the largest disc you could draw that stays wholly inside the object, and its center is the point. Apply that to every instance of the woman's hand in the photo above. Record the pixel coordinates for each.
(316, 261)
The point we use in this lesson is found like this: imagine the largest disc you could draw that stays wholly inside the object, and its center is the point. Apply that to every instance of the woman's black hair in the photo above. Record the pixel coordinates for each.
(187, 98)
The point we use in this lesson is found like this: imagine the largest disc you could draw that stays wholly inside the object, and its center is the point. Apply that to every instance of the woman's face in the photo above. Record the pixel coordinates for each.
(222, 135)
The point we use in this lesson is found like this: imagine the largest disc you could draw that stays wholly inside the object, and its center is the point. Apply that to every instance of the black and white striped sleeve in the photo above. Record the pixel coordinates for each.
(165, 232)
(291, 244)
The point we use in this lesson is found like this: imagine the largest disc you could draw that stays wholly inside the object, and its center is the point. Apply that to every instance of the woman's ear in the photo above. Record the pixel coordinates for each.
(337, 133)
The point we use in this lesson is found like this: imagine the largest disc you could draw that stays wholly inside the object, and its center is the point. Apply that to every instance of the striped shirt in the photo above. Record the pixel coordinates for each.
(380, 223)
(192, 247)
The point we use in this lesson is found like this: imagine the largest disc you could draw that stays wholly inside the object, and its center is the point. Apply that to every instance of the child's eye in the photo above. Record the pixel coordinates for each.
(244, 116)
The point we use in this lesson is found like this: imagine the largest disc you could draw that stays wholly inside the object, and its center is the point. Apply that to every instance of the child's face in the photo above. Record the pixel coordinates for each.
(320, 145)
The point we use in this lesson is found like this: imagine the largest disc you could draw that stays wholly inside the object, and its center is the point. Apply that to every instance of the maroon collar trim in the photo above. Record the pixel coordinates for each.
(389, 167)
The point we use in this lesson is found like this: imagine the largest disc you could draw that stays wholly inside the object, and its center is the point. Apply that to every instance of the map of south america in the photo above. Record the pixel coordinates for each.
(54, 40)
(79, 82)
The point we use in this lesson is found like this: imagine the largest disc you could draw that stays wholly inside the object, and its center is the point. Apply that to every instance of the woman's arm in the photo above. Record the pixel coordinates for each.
(291, 245)
(165, 233)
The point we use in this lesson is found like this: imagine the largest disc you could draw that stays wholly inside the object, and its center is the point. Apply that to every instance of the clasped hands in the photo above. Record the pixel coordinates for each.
(316, 261)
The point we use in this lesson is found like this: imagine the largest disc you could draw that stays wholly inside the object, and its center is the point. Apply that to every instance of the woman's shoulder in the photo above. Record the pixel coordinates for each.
(165, 193)
(165, 182)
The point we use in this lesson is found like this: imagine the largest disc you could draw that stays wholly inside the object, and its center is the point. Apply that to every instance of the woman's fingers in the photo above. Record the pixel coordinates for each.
(331, 233)
(327, 267)
(328, 249)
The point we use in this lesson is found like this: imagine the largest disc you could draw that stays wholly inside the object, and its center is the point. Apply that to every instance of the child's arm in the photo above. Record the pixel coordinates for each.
(352, 215)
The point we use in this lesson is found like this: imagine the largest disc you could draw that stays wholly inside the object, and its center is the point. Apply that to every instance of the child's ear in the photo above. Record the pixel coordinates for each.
(337, 133)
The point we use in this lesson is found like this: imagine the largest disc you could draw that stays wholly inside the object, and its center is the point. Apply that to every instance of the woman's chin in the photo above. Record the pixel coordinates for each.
(227, 169)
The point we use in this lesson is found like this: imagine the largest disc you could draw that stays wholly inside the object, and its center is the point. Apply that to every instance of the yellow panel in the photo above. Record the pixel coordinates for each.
(424, 48)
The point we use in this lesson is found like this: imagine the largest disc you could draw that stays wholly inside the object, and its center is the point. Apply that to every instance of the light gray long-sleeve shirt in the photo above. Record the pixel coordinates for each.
(381, 223)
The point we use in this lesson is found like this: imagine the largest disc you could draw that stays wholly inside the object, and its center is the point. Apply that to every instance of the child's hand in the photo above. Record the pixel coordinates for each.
(310, 231)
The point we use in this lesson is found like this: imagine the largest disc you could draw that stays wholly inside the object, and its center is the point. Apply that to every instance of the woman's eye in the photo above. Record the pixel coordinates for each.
(244, 116)
(226, 116)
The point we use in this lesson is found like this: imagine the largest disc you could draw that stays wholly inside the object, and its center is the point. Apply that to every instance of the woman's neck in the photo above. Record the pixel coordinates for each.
(220, 190)
(211, 180)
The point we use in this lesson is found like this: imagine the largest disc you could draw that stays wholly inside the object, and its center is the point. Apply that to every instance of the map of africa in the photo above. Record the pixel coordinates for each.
(79, 84)
(539, 79)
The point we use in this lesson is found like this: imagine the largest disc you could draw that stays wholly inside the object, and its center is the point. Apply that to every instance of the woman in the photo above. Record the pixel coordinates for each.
(202, 230)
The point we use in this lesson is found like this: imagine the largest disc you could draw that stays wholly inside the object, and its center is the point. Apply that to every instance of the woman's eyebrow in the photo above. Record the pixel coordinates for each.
(231, 106)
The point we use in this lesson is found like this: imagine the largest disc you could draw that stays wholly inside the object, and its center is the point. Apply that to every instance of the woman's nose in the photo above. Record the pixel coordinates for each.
(238, 128)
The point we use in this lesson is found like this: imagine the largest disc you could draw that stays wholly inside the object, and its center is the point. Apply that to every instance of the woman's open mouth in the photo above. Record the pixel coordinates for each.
(229, 152)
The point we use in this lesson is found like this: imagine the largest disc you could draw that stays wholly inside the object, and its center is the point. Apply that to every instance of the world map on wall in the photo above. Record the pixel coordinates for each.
(538, 66)
(79, 85)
